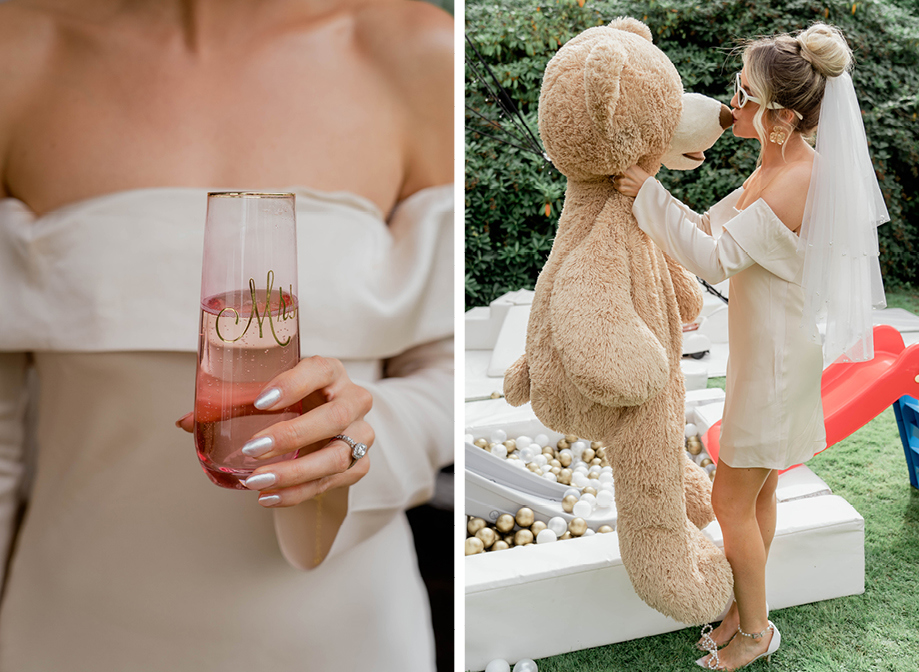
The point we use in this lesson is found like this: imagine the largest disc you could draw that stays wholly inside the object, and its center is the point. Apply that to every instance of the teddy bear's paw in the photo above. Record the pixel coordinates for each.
(697, 487)
(517, 382)
(678, 572)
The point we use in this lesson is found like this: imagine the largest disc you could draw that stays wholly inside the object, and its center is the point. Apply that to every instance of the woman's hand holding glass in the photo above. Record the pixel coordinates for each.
(332, 405)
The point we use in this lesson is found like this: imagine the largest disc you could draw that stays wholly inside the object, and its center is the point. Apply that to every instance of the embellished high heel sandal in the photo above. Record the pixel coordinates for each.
(706, 641)
(711, 661)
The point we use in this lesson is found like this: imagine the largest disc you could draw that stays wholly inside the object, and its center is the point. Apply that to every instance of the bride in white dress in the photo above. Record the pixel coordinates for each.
(115, 120)
(774, 237)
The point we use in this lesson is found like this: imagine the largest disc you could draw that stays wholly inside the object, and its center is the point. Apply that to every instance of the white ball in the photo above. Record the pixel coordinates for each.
(549, 476)
(498, 436)
(541, 439)
(691, 430)
(469, 438)
(526, 454)
(525, 665)
(572, 491)
(594, 469)
(588, 533)
(523, 441)
(558, 525)
(581, 468)
(541, 460)
(607, 470)
(606, 486)
(498, 665)
(499, 450)
(520, 464)
(579, 479)
(590, 499)
(605, 499)
(578, 447)
(546, 536)
(582, 509)
(605, 477)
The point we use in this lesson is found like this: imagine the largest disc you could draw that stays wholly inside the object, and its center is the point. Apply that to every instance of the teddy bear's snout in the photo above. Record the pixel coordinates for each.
(726, 117)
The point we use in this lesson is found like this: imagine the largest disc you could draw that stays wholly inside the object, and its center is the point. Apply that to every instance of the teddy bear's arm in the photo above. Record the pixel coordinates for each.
(686, 288)
(607, 350)
(517, 382)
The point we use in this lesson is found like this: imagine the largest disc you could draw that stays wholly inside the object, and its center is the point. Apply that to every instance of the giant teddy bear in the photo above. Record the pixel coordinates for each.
(605, 333)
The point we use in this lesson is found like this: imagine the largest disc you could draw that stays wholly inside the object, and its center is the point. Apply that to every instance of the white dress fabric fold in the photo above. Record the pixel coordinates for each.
(773, 415)
(129, 558)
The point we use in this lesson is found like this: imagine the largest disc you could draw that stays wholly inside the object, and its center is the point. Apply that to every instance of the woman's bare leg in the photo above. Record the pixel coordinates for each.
(739, 496)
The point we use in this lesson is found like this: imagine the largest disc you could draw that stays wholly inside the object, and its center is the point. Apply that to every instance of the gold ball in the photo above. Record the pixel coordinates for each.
(555, 463)
(487, 535)
(548, 452)
(588, 454)
(712, 474)
(511, 445)
(596, 462)
(564, 459)
(523, 537)
(537, 527)
(505, 523)
(570, 438)
(564, 476)
(577, 527)
(509, 539)
(499, 545)
(474, 545)
(513, 456)
(589, 491)
(481, 443)
(563, 444)
(597, 445)
(567, 535)
(474, 525)
(603, 529)
(694, 448)
(705, 462)
(594, 476)
(568, 503)
(524, 517)
(532, 466)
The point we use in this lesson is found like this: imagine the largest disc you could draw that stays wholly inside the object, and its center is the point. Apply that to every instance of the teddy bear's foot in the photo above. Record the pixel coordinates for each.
(679, 572)
(517, 382)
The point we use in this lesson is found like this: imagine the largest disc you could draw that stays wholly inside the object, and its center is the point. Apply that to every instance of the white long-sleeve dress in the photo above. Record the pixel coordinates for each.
(129, 558)
(773, 415)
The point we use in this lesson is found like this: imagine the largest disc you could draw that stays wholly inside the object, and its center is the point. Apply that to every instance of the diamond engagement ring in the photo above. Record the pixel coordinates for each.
(358, 450)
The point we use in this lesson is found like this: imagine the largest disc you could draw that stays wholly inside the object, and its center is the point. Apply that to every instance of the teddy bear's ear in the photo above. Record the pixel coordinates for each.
(601, 84)
(632, 25)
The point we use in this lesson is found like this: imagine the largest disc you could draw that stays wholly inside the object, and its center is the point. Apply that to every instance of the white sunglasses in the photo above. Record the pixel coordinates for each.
(743, 96)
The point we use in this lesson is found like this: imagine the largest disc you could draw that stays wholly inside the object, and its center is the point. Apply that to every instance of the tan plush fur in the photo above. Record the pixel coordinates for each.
(605, 333)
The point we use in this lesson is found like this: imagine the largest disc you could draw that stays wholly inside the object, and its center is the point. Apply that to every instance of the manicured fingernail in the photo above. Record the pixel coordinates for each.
(260, 481)
(269, 500)
(179, 421)
(267, 399)
(258, 447)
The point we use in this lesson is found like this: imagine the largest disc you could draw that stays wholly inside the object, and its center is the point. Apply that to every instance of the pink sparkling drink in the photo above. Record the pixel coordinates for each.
(248, 331)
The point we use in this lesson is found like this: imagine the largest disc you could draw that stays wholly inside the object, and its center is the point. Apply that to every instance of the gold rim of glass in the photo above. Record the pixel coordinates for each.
(249, 194)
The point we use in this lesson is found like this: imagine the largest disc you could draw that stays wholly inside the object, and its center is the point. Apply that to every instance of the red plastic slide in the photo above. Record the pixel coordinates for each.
(855, 393)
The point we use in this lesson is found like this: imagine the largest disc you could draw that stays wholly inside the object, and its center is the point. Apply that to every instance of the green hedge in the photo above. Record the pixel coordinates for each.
(509, 234)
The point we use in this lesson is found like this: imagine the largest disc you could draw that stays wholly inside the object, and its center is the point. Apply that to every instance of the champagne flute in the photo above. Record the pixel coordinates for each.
(248, 329)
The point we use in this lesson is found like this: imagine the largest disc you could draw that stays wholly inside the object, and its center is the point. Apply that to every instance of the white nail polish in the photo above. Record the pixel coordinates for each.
(260, 481)
(269, 500)
(258, 447)
(267, 399)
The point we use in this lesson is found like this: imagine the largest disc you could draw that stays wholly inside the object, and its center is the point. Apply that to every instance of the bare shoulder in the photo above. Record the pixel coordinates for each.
(412, 44)
(786, 196)
(26, 39)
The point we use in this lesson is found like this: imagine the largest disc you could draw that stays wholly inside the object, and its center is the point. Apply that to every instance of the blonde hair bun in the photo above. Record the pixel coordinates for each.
(826, 49)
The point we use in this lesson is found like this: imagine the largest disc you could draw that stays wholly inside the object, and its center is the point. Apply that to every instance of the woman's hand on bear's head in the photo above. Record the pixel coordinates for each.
(630, 181)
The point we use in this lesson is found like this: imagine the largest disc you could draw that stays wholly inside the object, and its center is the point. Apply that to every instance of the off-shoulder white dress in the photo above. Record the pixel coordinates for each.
(129, 558)
(773, 415)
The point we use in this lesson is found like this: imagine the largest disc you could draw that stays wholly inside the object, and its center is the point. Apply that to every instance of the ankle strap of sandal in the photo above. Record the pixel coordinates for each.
(755, 635)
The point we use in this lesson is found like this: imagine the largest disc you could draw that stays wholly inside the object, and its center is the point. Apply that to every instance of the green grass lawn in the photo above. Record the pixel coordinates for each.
(874, 632)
